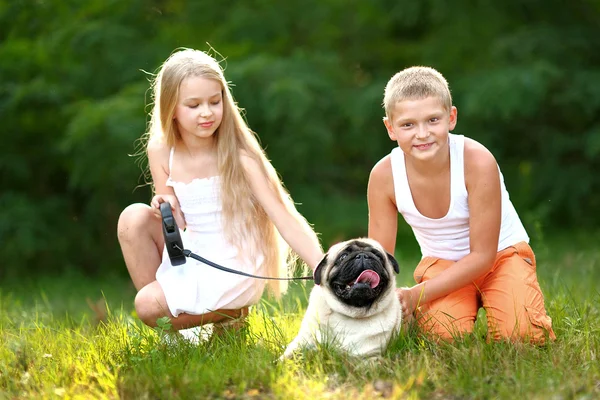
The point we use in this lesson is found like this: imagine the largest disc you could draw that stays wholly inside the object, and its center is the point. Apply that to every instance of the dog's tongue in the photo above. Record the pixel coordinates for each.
(370, 277)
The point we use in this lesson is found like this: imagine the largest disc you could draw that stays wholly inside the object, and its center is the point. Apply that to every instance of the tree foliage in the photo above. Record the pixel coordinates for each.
(310, 74)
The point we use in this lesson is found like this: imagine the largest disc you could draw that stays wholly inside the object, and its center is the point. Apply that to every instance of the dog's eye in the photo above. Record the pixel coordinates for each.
(343, 256)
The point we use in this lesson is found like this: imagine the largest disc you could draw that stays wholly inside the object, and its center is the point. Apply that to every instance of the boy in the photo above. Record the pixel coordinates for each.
(449, 189)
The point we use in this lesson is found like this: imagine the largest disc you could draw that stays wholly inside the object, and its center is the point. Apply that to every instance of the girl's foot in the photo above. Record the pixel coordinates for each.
(231, 325)
(196, 334)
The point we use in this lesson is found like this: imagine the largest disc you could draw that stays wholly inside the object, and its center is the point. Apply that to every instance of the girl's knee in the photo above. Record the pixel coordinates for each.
(148, 306)
(133, 219)
(141, 307)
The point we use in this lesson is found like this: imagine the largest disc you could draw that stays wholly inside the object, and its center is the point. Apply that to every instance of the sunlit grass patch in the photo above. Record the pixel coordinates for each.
(48, 352)
(56, 358)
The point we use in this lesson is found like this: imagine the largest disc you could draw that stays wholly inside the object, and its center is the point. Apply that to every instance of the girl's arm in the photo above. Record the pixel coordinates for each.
(484, 198)
(383, 214)
(293, 228)
(158, 161)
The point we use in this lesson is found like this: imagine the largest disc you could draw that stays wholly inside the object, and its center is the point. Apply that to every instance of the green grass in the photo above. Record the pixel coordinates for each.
(53, 345)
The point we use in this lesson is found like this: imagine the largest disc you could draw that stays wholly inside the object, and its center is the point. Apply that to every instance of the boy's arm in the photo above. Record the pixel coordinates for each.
(383, 214)
(291, 225)
(485, 205)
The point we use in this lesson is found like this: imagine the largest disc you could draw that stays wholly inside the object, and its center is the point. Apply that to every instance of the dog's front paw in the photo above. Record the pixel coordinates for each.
(289, 351)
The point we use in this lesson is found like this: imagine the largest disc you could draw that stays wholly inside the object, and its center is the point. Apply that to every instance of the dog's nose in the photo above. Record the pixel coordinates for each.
(362, 256)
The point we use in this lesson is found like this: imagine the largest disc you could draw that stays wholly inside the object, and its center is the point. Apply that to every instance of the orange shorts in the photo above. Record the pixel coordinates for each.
(509, 292)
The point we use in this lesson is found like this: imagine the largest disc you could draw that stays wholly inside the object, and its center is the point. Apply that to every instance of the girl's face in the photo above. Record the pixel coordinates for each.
(199, 108)
(420, 127)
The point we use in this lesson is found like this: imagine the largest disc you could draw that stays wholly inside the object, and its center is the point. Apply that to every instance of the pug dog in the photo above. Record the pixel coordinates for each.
(353, 304)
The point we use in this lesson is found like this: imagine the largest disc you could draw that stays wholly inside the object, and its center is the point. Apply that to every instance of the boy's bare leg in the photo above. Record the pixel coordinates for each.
(140, 236)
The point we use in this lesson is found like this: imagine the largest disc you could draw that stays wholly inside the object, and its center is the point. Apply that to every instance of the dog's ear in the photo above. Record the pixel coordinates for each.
(319, 270)
(393, 262)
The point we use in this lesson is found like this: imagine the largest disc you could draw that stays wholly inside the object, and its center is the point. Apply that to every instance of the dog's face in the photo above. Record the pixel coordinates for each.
(357, 272)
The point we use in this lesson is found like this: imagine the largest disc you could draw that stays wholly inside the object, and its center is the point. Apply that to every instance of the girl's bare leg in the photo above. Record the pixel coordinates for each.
(140, 236)
(151, 304)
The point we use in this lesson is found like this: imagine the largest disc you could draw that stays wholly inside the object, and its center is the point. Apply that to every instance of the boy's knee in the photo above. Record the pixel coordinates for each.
(530, 326)
(439, 326)
(132, 220)
(444, 334)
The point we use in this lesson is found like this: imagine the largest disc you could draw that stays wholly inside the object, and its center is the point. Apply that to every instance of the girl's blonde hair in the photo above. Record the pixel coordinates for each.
(246, 224)
(416, 83)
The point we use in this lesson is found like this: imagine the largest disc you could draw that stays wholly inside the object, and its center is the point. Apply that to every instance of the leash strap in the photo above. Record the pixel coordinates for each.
(188, 253)
(177, 253)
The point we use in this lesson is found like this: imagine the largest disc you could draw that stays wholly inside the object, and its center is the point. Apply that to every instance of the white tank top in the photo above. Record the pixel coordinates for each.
(448, 237)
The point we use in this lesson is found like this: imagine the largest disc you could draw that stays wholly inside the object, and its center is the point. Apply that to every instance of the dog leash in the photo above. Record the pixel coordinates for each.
(177, 252)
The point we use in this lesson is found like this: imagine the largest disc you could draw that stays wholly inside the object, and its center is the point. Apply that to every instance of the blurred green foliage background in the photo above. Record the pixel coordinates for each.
(525, 76)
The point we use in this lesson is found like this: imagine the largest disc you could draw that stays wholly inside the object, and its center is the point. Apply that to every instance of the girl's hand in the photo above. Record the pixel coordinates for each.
(408, 302)
(158, 199)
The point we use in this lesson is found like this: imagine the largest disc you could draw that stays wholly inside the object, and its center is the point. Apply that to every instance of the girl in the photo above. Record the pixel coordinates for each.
(208, 164)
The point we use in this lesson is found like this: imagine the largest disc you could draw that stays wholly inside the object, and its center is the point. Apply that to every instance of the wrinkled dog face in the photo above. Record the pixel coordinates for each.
(357, 272)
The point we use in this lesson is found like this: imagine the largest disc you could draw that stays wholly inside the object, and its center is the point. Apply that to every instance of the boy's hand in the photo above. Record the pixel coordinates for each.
(161, 198)
(408, 302)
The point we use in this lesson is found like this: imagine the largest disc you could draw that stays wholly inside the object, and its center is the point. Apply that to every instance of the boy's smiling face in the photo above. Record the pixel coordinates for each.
(421, 126)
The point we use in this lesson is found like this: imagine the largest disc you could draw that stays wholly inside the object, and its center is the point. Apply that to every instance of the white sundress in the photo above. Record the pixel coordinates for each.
(197, 288)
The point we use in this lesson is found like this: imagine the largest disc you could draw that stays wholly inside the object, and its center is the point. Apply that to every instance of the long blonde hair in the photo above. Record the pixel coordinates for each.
(246, 224)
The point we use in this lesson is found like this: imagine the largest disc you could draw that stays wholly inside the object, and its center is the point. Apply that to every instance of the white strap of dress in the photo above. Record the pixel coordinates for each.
(169, 180)
(171, 160)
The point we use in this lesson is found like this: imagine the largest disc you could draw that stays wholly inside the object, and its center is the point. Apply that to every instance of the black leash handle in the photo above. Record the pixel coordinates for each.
(171, 234)
(177, 253)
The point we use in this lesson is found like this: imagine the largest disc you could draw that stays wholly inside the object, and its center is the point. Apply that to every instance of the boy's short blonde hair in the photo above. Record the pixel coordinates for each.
(416, 83)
